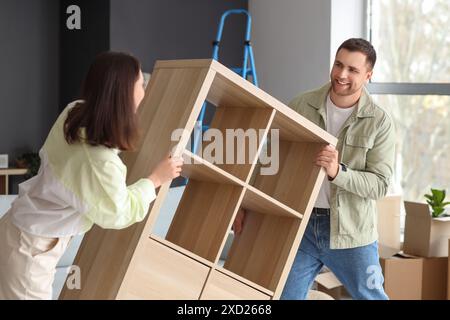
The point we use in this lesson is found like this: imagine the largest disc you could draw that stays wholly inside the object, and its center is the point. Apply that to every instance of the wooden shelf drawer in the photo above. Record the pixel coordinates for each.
(163, 273)
(223, 287)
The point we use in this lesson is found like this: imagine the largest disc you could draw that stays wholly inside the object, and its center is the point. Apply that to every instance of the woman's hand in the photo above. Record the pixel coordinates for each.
(239, 221)
(166, 170)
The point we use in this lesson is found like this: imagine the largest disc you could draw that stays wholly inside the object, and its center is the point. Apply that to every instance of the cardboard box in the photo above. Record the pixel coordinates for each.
(402, 275)
(389, 212)
(425, 236)
(434, 278)
(448, 272)
(408, 277)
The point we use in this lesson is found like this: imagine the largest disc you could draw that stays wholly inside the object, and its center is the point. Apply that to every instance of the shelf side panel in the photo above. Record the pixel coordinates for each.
(173, 100)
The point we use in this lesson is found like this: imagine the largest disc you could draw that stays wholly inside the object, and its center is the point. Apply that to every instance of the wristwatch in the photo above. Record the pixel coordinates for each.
(343, 167)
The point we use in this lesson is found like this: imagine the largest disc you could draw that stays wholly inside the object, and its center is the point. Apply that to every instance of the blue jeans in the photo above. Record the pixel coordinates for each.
(358, 268)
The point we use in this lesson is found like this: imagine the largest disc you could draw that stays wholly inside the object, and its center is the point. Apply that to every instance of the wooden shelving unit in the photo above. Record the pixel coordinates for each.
(136, 264)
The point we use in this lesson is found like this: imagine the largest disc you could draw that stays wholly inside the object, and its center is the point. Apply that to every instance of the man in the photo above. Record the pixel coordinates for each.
(342, 230)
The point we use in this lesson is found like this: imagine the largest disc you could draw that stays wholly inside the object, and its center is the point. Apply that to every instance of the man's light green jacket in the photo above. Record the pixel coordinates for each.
(366, 145)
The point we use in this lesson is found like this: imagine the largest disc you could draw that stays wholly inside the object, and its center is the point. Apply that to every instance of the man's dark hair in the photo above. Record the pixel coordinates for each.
(363, 46)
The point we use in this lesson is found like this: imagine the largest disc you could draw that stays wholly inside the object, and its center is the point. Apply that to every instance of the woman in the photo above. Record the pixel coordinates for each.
(81, 180)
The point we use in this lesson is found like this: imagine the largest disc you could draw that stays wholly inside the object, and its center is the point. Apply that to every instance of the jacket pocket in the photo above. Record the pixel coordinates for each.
(359, 141)
(356, 214)
(38, 247)
(355, 151)
(44, 246)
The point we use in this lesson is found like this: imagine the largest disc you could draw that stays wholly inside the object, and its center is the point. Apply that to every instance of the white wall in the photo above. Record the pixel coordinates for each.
(347, 21)
(291, 41)
(295, 41)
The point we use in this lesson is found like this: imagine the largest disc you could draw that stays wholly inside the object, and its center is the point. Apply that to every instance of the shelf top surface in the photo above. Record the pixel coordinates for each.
(258, 201)
(199, 169)
(231, 90)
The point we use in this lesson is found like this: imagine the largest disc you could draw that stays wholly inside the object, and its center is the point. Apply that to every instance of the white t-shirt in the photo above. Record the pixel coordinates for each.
(336, 118)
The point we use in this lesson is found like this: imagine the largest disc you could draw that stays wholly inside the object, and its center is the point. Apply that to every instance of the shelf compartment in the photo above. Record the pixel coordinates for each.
(233, 139)
(220, 286)
(296, 128)
(260, 252)
(297, 174)
(203, 216)
(229, 89)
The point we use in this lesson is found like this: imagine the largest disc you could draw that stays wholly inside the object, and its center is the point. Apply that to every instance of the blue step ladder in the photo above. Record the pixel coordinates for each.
(248, 51)
(245, 71)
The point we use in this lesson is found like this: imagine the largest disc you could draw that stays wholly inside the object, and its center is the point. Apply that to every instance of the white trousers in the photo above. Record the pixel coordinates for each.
(27, 262)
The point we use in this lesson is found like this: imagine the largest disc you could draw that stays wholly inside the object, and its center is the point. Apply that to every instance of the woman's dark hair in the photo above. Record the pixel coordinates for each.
(363, 46)
(107, 111)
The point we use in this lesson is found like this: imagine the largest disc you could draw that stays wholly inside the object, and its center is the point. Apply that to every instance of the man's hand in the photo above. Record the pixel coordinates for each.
(239, 221)
(328, 158)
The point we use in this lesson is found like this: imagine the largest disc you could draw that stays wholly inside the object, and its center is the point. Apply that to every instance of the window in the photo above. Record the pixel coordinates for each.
(412, 81)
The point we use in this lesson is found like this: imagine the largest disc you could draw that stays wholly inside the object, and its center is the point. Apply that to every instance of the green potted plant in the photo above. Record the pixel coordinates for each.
(31, 161)
(436, 202)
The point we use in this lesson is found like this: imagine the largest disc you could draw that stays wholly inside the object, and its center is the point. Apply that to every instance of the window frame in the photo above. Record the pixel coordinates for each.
(401, 88)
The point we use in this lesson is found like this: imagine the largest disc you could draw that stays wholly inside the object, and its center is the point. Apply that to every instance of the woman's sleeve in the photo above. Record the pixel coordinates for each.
(113, 204)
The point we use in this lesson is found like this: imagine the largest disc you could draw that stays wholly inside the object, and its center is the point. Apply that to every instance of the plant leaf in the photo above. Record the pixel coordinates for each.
(437, 212)
(439, 195)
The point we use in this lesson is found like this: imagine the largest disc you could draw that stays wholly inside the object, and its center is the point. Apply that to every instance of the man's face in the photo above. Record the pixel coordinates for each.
(349, 73)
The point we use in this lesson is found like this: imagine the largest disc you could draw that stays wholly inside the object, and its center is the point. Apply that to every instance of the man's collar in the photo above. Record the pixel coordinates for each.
(365, 105)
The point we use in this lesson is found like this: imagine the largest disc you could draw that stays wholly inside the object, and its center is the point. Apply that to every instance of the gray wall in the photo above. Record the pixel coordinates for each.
(29, 74)
(78, 48)
(176, 29)
(292, 45)
(150, 29)
(353, 12)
